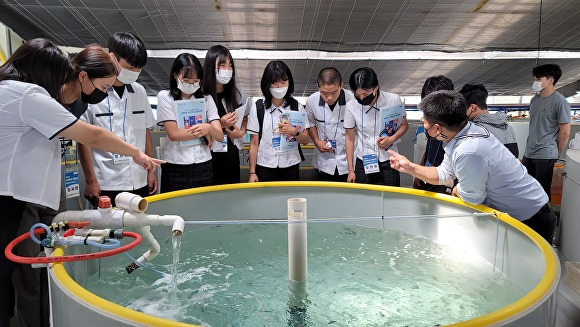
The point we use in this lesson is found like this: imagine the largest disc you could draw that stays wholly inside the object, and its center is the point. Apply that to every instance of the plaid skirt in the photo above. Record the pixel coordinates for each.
(176, 177)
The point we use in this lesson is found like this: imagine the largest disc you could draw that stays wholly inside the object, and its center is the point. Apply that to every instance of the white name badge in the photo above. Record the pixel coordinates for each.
(220, 146)
(371, 163)
(71, 182)
(276, 145)
(120, 159)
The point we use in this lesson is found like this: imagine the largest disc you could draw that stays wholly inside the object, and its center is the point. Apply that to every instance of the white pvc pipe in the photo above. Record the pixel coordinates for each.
(131, 202)
(297, 251)
(151, 242)
(297, 238)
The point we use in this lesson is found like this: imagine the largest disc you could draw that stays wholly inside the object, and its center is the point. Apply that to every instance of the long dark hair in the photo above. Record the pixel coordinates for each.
(190, 67)
(209, 72)
(95, 61)
(40, 62)
(274, 72)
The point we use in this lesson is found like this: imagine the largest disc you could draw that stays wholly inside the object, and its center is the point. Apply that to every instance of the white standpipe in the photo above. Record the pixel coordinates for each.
(297, 253)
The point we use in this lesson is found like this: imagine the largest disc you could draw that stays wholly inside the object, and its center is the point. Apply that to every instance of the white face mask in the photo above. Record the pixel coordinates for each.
(128, 76)
(278, 92)
(187, 88)
(224, 76)
(537, 86)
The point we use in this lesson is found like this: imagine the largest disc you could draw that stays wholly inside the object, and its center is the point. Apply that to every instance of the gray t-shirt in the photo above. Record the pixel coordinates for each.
(546, 115)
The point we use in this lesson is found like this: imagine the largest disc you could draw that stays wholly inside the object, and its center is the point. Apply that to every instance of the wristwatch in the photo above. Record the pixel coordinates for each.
(297, 132)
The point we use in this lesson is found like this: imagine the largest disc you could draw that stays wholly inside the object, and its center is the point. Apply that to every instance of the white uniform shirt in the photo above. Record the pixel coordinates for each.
(30, 154)
(367, 121)
(266, 155)
(489, 173)
(330, 126)
(127, 117)
(174, 152)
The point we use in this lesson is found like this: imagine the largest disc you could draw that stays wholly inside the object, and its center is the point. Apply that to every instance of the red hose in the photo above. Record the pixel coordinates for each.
(74, 257)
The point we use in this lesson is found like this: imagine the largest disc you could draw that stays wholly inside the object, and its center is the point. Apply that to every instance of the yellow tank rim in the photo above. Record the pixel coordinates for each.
(493, 318)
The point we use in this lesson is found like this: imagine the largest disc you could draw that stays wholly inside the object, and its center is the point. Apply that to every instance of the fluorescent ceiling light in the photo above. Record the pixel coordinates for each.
(373, 55)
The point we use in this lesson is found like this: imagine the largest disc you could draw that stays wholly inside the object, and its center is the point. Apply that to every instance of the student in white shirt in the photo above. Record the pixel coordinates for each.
(219, 76)
(125, 111)
(268, 162)
(93, 69)
(326, 110)
(363, 117)
(30, 121)
(187, 165)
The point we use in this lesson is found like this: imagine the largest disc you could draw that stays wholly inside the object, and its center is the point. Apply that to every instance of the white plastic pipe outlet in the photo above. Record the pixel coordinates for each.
(297, 240)
(131, 202)
(297, 254)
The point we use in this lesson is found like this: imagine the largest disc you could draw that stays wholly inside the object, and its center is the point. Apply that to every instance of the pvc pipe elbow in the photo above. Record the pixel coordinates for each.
(131, 202)
(178, 226)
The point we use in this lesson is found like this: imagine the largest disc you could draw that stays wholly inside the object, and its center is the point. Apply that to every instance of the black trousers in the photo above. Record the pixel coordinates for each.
(386, 175)
(542, 170)
(226, 165)
(266, 174)
(11, 210)
(322, 176)
(543, 222)
(142, 192)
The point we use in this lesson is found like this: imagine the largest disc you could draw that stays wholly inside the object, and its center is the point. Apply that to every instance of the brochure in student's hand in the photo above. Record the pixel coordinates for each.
(242, 112)
(189, 113)
(297, 119)
(391, 118)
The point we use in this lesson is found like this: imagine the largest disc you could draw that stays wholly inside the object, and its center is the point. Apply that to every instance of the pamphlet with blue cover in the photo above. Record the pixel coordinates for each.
(189, 113)
(297, 119)
(391, 118)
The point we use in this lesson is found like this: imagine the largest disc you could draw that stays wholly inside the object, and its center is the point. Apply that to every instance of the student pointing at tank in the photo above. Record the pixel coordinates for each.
(31, 119)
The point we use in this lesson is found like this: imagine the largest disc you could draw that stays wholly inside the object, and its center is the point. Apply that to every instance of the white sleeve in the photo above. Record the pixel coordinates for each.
(349, 121)
(149, 118)
(306, 121)
(445, 172)
(88, 116)
(253, 126)
(211, 109)
(310, 112)
(43, 113)
(473, 172)
(165, 108)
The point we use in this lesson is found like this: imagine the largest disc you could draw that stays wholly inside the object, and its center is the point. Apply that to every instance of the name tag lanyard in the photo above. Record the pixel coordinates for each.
(429, 151)
(337, 123)
(111, 117)
(118, 158)
(363, 129)
(71, 175)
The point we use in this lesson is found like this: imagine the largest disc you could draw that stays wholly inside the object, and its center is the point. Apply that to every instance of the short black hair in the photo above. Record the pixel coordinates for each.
(274, 72)
(436, 83)
(40, 62)
(129, 47)
(189, 66)
(446, 108)
(548, 70)
(329, 76)
(363, 78)
(231, 95)
(475, 94)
